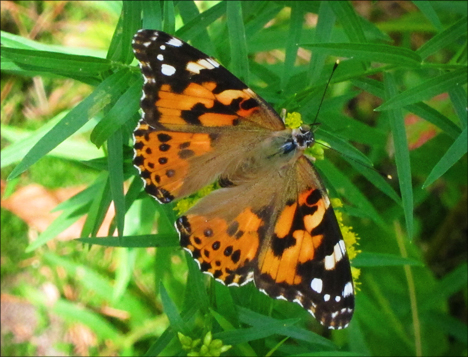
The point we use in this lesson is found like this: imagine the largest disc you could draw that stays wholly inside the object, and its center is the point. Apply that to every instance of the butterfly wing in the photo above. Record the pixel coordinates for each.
(190, 104)
(281, 231)
(304, 259)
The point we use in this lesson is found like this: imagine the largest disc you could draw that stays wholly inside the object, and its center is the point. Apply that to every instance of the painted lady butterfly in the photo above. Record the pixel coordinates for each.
(271, 221)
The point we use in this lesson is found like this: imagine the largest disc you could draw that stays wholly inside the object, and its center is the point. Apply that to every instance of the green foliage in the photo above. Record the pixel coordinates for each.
(412, 64)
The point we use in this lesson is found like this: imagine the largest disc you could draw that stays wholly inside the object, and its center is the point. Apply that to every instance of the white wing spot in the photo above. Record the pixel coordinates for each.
(194, 67)
(316, 285)
(167, 70)
(335, 257)
(342, 245)
(337, 298)
(162, 47)
(281, 297)
(326, 297)
(206, 64)
(174, 42)
(146, 44)
(213, 62)
(348, 289)
(160, 57)
(297, 301)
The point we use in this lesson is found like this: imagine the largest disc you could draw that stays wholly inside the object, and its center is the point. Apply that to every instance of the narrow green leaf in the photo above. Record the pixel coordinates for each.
(98, 208)
(199, 24)
(131, 14)
(343, 147)
(258, 320)
(420, 109)
(401, 154)
(140, 241)
(351, 192)
(62, 222)
(349, 20)
(370, 52)
(21, 141)
(294, 35)
(152, 15)
(426, 90)
(426, 8)
(196, 289)
(170, 309)
(107, 92)
(73, 313)
(57, 63)
(323, 31)
(168, 16)
(458, 98)
(367, 259)
(376, 179)
(239, 61)
(453, 154)
(444, 38)
(116, 178)
(446, 287)
(125, 107)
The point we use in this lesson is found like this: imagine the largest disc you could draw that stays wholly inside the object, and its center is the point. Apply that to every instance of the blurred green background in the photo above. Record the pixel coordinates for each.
(70, 96)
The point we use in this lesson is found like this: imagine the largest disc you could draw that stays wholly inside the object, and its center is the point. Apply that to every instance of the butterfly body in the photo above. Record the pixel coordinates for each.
(271, 221)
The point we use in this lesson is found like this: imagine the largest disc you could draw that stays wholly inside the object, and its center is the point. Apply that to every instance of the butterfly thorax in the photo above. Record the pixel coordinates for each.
(275, 154)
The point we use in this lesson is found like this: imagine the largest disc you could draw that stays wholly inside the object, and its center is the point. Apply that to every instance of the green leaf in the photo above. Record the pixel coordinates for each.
(369, 52)
(116, 178)
(176, 321)
(106, 93)
(444, 38)
(73, 313)
(140, 241)
(453, 154)
(367, 259)
(349, 20)
(323, 30)
(402, 158)
(239, 61)
(426, 90)
(420, 109)
(294, 35)
(57, 63)
(426, 8)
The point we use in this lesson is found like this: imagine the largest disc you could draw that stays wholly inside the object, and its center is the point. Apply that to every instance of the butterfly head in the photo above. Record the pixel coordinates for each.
(303, 137)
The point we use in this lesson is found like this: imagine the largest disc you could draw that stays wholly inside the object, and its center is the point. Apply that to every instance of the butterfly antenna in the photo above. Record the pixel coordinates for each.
(325, 91)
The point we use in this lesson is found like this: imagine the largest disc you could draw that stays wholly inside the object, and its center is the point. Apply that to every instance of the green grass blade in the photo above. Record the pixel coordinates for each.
(294, 35)
(239, 61)
(443, 39)
(107, 92)
(367, 259)
(426, 90)
(402, 158)
(168, 16)
(323, 32)
(171, 311)
(57, 63)
(428, 10)
(124, 109)
(152, 15)
(349, 20)
(116, 178)
(130, 241)
(453, 154)
(369, 52)
(458, 98)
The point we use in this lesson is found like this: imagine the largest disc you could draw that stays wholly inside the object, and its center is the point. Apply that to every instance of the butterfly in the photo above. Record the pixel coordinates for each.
(271, 221)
